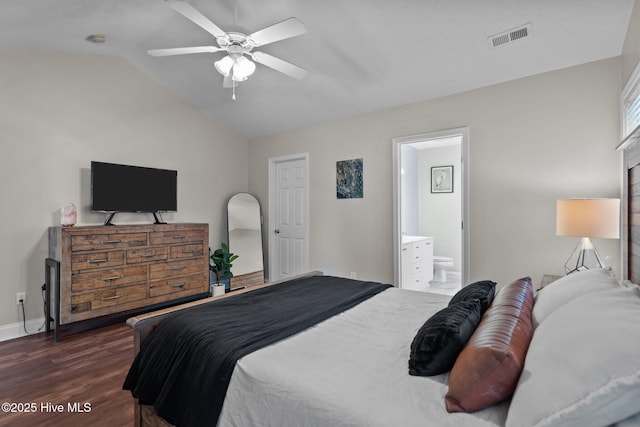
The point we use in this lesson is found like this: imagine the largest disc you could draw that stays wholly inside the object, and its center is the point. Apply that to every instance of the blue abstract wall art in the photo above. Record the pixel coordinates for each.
(349, 182)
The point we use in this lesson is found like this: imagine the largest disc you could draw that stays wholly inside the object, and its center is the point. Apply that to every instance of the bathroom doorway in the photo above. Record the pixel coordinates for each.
(431, 244)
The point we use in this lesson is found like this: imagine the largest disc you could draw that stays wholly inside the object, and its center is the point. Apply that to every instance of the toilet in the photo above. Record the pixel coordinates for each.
(440, 265)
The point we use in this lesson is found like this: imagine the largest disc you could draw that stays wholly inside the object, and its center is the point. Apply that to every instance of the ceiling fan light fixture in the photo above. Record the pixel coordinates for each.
(242, 68)
(235, 66)
(224, 65)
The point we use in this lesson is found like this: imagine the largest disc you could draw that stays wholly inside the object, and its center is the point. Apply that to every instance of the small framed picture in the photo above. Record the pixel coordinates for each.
(442, 179)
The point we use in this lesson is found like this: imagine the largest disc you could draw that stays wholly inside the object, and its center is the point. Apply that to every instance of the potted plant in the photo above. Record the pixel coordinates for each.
(221, 263)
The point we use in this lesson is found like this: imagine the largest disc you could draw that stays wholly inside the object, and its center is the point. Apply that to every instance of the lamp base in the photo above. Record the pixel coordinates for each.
(584, 257)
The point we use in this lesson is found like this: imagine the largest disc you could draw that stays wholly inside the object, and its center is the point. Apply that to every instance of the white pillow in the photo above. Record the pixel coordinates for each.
(583, 365)
(568, 288)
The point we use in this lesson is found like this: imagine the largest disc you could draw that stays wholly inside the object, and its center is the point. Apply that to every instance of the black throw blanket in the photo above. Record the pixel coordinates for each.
(184, 367)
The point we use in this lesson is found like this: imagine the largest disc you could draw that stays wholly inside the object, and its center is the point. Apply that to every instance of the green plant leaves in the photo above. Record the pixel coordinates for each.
(222, 261)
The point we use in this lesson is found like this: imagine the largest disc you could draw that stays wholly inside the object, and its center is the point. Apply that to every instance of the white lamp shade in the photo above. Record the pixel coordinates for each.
(588, 218)
(224, 65)
(242, 69)
(238, 78)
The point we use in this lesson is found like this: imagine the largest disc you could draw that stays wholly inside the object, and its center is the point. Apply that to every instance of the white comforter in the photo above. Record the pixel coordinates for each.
(350, 370)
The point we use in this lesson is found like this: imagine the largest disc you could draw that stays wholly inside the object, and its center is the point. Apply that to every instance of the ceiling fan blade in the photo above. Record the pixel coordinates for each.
(282, 30)
(186, 10)
(183, 50)
(228, 82)
(279, 65)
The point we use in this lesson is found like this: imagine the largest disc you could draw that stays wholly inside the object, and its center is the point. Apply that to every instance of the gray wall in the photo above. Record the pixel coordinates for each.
(524, 137)
(631, 49)
(58, 113)
(440, 213)
(532, 141)
(410, 188)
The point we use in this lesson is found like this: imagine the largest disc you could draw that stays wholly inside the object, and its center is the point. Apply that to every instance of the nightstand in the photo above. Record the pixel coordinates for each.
(546, 279)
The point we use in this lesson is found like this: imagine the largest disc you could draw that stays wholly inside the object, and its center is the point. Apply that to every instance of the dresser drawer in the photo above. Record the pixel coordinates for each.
(417, 261)
(93, 260)
(91, 242)
(184, 285)
(187, 251)
(108, 277)
(147, 254)
(108, 298)
(415, 256)
(175, 236)
(417, 280)
(165, 270)
(415, 268)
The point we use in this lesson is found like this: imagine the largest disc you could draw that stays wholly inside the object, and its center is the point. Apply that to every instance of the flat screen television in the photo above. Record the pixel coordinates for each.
(124, 188)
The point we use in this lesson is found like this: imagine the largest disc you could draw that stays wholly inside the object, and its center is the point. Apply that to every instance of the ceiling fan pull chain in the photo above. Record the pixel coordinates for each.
(234, 91)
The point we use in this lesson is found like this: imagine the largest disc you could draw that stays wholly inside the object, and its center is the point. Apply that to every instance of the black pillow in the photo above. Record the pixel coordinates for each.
(483, 290)
(439, 341)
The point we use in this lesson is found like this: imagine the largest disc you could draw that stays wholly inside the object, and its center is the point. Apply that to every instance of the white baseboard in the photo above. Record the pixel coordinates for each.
(16, 330)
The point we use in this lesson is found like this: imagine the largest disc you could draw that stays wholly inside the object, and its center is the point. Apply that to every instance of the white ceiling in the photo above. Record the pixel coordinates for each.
(362, 55)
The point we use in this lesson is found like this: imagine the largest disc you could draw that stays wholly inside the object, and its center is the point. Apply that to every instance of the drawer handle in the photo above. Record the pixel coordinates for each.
(97, 261)
(148, 255)
(177, 268)
(106, 279)
(191, 252)
(111, 298)
(178, 237)
(110, 242)
(178, 285)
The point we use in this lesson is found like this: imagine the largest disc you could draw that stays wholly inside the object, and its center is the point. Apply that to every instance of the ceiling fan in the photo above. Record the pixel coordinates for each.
(235, 66)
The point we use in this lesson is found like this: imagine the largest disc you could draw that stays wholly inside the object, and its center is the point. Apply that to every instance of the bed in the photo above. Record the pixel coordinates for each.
(566, 356)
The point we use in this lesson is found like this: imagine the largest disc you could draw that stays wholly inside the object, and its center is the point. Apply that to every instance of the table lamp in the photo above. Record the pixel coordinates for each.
(587, 218)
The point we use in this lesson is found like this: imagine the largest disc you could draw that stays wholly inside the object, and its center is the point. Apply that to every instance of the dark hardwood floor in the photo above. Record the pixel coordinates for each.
(87, 367)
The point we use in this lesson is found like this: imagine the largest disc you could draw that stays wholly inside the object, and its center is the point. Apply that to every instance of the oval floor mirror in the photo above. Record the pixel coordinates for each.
(244, 222)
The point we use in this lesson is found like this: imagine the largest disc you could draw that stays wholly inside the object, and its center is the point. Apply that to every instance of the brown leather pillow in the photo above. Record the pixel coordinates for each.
(487, 370)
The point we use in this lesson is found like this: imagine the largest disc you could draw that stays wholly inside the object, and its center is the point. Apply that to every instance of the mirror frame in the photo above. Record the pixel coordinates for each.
(251, 278)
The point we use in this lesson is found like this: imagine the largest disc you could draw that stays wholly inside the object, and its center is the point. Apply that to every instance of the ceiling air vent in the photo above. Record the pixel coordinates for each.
(510, 35)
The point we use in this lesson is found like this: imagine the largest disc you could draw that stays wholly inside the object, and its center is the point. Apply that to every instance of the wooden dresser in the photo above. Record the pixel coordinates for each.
(111, 269)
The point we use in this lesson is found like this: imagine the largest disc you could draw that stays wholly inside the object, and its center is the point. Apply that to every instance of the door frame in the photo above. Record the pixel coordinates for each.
(396, 144)
(273, 212)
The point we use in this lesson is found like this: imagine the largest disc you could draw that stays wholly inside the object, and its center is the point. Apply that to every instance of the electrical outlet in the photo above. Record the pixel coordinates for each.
(21, 296)
(353, 275)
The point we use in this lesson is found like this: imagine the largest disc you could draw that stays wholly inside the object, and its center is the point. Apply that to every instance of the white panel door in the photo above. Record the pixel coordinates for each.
(291, 240)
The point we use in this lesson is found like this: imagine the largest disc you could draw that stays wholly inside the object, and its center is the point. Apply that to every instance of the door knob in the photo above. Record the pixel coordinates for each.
(277, 231)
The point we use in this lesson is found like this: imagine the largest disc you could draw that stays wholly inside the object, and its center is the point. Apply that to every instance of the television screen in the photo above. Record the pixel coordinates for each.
(123, 188)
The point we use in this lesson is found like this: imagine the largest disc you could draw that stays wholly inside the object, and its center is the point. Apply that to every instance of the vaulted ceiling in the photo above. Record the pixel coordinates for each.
(361, 55)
